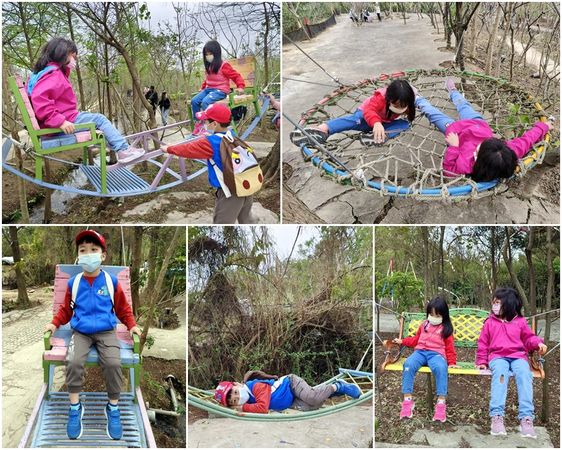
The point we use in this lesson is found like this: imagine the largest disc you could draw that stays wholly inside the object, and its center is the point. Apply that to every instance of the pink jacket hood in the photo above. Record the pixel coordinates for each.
(501, 339)
(460, 160)
(53, 99)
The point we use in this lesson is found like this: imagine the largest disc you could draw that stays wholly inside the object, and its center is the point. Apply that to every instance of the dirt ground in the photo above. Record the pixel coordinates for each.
(462, 409)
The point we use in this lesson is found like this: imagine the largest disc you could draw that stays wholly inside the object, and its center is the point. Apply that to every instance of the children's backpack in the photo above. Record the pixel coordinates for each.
(108, 282)
(241, 174)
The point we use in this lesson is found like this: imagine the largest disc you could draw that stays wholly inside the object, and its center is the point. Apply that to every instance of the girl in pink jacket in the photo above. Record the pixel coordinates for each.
(433, 347)
(54, 101)
(472, 148)
(503, 345)
(216, 86)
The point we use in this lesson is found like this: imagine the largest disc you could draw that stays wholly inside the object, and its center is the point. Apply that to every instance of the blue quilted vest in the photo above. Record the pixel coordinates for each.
(93, 308)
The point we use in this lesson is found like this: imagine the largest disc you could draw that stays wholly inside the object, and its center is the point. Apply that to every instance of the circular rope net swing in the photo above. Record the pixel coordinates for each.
(410, 164)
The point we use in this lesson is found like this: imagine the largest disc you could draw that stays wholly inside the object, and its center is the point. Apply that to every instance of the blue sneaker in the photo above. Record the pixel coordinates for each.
(343, 388)
(114, 429)
(74, 424)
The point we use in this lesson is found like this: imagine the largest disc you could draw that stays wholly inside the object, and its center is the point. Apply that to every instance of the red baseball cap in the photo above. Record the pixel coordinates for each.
(218, 112)
(92, 234)
(222, 390)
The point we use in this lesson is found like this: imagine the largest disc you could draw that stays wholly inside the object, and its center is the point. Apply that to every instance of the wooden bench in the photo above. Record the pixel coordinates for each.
(46, 141)
(245, 66)
(467, 324)
(57, 344)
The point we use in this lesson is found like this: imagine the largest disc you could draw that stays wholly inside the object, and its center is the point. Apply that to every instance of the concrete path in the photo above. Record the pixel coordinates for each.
(170, 344)
(22, 375)
(347, 429)
(353, 53)
(468, 436)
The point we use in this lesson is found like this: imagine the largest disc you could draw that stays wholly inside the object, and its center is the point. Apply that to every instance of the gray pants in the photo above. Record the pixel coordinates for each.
(309, 398)
(228, 210)
(109, 352)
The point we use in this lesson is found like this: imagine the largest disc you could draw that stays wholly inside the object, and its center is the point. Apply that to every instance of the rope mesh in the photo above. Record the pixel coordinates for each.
(410, 163)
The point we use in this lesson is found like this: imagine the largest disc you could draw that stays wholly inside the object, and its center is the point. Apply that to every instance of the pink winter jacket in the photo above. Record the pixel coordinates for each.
(460, 160)
(501, 339)
(53, 99)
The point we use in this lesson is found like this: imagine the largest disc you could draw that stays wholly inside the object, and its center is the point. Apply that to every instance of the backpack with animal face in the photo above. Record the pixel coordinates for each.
(241, 173)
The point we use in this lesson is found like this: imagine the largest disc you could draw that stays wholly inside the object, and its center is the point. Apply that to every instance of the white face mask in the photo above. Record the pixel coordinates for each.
(209, 58)
(71, 64)
(90, 262)
(434, 320)
(496, 309)
(244, 395)
(397, 110)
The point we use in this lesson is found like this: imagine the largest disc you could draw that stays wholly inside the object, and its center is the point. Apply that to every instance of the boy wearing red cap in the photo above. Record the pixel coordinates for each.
(261, 392)
(93, 314)
(216, 118)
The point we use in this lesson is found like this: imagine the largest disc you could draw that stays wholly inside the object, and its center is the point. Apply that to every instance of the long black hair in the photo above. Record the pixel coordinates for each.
(511, 303)
(494, 160)
(439, 305)
(214, 48)
(56, 50)
(400, 91)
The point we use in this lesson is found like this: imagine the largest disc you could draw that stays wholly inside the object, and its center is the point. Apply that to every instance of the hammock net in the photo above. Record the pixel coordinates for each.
(410, 163)
(204, 400)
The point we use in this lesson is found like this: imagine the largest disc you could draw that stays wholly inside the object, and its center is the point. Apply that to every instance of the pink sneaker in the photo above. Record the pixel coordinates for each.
(527, 429)
(498, 428)
(407, 410)
(132, 153)
(440, 414)
(450, 85)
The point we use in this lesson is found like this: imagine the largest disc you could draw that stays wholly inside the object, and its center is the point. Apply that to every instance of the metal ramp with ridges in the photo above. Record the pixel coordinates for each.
(50, 428)
(119, 181)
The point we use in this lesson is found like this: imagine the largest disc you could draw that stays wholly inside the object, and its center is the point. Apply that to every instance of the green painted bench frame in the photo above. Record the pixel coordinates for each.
(36, 134)
(246, 66)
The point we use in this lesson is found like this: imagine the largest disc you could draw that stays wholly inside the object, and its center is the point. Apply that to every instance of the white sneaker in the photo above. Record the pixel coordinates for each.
(132, 153)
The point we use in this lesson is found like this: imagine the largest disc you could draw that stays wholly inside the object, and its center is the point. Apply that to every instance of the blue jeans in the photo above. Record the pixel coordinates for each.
(437, 365)
(442, 120)
(165, 113)
(501, 367)
(357, 122)
(205, 98)
(114, 140)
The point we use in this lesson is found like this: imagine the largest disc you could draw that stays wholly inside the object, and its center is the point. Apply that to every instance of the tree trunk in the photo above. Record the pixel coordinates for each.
(441, 259)
(14, 131)
(107, 82)
(494, 250)
(23, 299)
(532, 275)
(23, 16)
(492, 40)
(506, 251)
(270, 164)
(546, 391)
(265, 44)
(154, 291)
(135, 265)
(507, 19)
(428, 291)
(77, 69)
